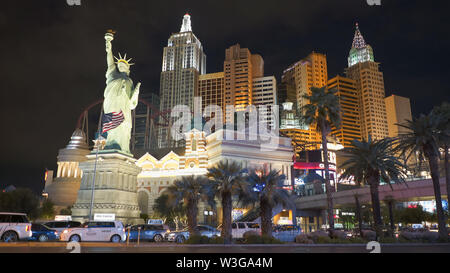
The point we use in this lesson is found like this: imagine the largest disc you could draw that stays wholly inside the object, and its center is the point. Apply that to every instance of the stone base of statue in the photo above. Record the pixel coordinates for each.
(115, 187)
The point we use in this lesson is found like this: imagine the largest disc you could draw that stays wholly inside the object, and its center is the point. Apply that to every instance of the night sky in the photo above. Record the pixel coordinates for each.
(53, 56)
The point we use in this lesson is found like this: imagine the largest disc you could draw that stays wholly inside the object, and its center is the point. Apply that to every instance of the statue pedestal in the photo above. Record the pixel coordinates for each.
(115, 187)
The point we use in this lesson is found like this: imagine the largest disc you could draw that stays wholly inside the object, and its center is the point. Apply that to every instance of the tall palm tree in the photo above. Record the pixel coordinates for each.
(189, 190)
(422, 137)
(228, 180)
(370, 161)
(442, 113)
(323, 111)
(268, 191)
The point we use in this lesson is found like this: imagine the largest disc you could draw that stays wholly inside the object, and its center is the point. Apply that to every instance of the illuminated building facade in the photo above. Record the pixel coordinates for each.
(398, 110)
(370, 85)
(211, 89)
(62, 190)
(203, 152)
(350, 128)
(183, 62)
(265, 93)
(240, 68)
(302, 75)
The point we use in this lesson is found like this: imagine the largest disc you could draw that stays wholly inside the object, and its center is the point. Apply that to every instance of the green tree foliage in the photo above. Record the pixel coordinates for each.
(228, 181)
(20, 200)
(47, 210)
(172, 215)
(423, 136)
(369, 162)
(189, 191)
(268, 193)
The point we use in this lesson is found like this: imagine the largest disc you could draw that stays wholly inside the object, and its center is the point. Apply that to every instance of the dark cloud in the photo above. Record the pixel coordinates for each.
(53, 59)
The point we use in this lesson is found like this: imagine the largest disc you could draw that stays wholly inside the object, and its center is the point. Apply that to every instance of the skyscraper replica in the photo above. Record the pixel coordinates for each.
(308, 72)
(363, 69)
(350, 128)
(240, 68)
(398, 110)
(183, 62)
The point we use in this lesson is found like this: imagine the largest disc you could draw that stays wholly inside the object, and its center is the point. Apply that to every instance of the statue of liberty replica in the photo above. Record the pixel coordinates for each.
(109, 182)
(120, 98)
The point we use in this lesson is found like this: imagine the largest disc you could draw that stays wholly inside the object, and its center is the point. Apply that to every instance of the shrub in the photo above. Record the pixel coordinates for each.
(318, 236)
(323, 240)
(303, 239)
(388, 240)
(369, 235)
(250, 233)
(256, 239)
(338, 234)
(430, 236)
(197, 239)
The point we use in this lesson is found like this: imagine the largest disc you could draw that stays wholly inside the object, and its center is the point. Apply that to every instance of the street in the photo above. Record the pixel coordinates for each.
(100, 247)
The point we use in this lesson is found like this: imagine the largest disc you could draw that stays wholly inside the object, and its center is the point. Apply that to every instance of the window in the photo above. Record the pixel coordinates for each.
(60, 224)
(4, 218)
(241, 225)
(18, 219)
(234, 226)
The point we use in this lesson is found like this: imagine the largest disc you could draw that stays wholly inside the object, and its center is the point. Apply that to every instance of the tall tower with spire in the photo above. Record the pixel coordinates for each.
(360, 51)
(183, 61)
(363, 69)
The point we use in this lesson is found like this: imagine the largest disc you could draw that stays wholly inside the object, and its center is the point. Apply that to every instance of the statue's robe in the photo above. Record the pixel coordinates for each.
(119, 96)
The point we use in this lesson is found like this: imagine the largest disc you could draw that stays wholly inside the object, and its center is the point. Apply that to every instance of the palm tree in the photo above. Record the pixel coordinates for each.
(323, 111)
(369, 162)
(169, 212)
(190, 190)
(268, 191)
(390, 201)
(422, 137)
(442, 113)
(228, 180)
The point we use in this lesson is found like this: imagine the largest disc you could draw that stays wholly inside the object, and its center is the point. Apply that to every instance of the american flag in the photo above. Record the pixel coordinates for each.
(112, 120)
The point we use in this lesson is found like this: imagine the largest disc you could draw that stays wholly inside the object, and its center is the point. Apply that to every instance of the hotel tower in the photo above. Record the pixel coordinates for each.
(183, 61)
(369, 83)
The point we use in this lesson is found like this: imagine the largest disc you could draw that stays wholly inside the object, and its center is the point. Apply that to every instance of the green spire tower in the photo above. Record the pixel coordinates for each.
(360, 51)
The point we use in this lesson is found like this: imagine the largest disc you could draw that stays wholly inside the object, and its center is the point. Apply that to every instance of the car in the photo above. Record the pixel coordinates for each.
(60, 226)
(103, 231)
(183, 235)
(43, 233)
(14, 227)
(148, 232)
(239, 228)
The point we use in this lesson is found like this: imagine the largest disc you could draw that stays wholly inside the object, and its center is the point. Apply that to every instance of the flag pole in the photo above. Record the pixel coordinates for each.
(95, 165)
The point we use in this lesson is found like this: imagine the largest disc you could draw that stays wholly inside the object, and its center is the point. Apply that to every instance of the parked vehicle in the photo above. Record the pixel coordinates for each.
(183, 235)
(43, 233)
(14, 227)
(239, 228)
(105, 231)
(148, 232)
(60, 226)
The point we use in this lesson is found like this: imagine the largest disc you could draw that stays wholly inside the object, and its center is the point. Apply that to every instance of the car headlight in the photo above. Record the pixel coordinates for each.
(66, 231)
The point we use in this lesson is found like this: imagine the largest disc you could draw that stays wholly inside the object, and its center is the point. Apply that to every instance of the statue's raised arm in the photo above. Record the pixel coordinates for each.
(109, 36)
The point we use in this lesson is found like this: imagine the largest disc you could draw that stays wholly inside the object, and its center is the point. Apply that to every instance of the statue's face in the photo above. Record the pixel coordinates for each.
(123, 67)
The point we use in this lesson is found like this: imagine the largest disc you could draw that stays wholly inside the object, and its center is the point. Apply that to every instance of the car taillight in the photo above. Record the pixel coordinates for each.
(28, 228)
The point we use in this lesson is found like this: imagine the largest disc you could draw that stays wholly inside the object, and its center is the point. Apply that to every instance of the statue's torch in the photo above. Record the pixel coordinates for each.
(109, 35)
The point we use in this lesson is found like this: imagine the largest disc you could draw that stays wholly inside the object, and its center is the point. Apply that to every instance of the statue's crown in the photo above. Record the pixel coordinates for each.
(124, 59)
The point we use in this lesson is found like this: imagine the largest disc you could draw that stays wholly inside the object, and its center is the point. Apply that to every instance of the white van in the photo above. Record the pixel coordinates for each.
(106, 231)
(239, 228)
(14, 227)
